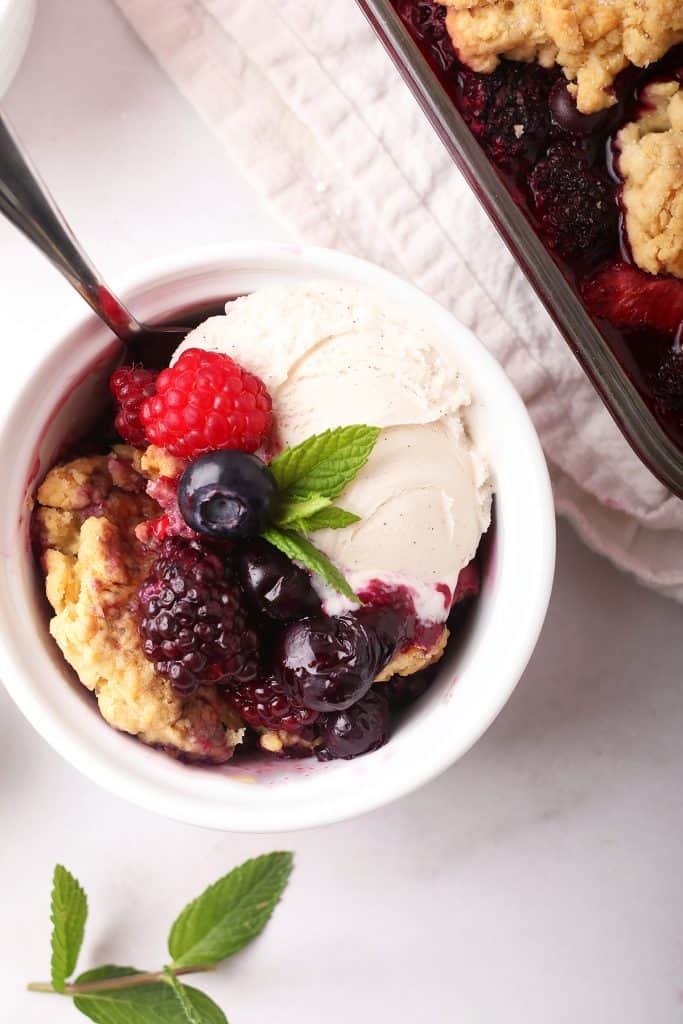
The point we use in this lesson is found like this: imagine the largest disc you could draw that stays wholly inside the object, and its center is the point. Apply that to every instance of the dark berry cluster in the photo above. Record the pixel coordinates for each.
(299, 672)
(575, 202)
(194, 623)
(669, 381)
(265, 704)
(508, 110)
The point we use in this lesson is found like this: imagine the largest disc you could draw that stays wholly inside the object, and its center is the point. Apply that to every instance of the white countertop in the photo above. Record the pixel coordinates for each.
(534, 882)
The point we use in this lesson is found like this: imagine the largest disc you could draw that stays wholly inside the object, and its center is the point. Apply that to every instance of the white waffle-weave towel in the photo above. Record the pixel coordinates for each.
(305, 98)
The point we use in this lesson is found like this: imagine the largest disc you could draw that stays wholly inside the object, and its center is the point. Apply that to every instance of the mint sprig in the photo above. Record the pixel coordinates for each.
(219, 922)
(309, 476)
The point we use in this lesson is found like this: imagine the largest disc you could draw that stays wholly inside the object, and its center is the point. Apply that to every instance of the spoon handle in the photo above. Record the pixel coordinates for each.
(26, 202)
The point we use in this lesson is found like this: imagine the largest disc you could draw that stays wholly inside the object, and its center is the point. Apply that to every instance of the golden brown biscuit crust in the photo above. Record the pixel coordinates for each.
(592, 40)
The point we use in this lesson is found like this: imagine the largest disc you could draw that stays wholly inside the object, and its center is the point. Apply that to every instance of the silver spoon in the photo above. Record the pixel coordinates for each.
(27, 203)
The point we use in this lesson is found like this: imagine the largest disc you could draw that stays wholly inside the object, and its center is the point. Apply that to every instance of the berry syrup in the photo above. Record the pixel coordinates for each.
(561, 168)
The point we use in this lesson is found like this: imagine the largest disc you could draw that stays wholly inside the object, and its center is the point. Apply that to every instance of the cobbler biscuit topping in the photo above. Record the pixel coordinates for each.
(592, 41)
(651, 165)
(94, 565)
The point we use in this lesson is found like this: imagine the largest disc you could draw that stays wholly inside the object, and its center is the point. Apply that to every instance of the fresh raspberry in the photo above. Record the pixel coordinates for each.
(194, 625)
(507, 110)
(575, 204)
(204, 403)
(669, 382)
(628, 297)
(130, 386)
(263, 704)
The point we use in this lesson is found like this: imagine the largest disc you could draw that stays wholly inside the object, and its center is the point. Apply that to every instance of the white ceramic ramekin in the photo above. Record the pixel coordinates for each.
(473, 684)
(16, 22)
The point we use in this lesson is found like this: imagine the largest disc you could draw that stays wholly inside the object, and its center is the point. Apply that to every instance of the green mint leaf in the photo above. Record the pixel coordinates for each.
(193, 1013)
(296, 547)
(230, 913)
(330, 518)
(156, 1003)
(297, 510)
(69, 906)
(325, 463)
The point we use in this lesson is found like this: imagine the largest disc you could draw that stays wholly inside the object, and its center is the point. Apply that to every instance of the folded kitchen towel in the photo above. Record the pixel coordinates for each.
(305, 98)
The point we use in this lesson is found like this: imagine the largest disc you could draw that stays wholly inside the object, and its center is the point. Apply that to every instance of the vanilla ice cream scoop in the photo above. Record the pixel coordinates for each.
(332, 355)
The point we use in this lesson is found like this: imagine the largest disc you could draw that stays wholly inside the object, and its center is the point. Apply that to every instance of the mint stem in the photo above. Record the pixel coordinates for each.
(129, 981)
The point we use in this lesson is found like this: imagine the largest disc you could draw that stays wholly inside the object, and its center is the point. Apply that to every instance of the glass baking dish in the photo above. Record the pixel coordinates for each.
(617, 390)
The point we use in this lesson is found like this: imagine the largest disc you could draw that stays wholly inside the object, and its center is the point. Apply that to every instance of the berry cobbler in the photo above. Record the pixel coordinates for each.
(579, 104)
(276, 546)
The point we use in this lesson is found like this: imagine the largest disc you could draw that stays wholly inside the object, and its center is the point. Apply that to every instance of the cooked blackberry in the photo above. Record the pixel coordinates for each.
(194, 625)
(575, 203)
(264, 704)
(507, 110)
(669, 382)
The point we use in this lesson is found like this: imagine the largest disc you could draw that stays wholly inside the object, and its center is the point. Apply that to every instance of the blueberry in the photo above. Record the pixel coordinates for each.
(275, 585)
(390, 625)
(357, 730)
(328, 663)
(226, 495)
(568, 117)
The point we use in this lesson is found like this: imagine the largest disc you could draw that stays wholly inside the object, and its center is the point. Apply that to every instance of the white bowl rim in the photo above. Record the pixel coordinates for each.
(128, 784)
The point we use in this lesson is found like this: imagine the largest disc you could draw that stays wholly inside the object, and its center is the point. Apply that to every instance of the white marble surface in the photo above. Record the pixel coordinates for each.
(536, 881)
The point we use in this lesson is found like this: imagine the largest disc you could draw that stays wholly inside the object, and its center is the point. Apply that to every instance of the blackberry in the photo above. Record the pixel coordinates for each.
(194, 624)
(669, 382)
(264, 704)
(507, 110)
(575, 204)
(427, 21)
(356, 730)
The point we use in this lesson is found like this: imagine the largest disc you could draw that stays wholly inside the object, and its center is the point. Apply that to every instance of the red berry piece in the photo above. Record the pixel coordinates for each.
(194, 625)
(575, 203)
(628, 297)
(131, 386)
(264, 704)
(205, 403)
(356, 730)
